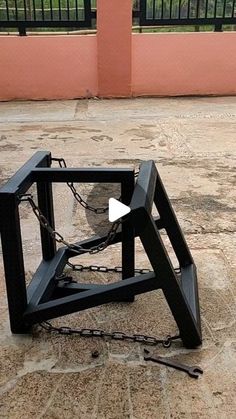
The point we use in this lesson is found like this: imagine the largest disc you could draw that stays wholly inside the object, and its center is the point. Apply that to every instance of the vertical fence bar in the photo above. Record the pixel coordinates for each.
(16, 10)
(188, 10)
(143, 12)
(153, 9)
(215, 9)
(197, 9)
(233, 6)
(206, 9)
(68, 9)
(179, 14)
(76, 9)
(34, 10)
(87, 12)
(7, 10)
(59, 7)
(51, 10)
(170, 14)
(42, 9)
(162, 9)
(224, 8)
(25, 9)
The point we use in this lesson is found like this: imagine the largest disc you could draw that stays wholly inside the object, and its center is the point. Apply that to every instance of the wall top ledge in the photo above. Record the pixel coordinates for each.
(230, 33)
(49, 36)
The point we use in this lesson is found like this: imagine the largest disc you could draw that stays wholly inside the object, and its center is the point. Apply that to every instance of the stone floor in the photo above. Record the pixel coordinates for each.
(193, 142)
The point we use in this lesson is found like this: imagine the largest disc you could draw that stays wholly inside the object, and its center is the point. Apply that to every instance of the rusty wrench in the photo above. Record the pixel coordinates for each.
(192, 371)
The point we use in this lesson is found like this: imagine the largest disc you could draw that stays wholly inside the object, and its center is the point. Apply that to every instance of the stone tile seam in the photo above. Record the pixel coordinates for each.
(50, 399)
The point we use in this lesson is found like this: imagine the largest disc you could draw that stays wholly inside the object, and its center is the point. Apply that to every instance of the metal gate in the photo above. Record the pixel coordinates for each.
(186, 12)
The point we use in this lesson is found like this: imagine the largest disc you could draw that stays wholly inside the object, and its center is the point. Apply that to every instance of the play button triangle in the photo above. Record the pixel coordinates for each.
(117, 210)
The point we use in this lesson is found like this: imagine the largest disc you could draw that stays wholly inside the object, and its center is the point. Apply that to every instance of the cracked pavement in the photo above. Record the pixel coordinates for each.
(193, 142)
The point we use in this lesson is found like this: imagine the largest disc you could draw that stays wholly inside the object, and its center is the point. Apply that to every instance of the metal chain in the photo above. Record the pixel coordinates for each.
(104, 269)
(75, 248)
(94, 268)
(77, 196)
(87, 332)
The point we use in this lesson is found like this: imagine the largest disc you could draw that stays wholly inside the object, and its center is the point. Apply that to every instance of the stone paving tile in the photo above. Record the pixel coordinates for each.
(27, 395)
(76, 395)
(147, 392)
(192, 141)
(113, 399)
(37, 111)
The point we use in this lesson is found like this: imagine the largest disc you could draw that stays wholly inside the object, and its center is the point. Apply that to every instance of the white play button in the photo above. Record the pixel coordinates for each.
(117, 210)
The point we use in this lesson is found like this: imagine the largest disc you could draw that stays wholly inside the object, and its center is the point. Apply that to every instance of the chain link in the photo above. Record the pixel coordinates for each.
(75, 248)
(104, 269)
(94, 268)
(77, 196)
(117, 335)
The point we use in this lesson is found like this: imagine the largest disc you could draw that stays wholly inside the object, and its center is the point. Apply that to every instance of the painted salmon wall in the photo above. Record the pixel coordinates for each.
(48, 67)
(170, 64)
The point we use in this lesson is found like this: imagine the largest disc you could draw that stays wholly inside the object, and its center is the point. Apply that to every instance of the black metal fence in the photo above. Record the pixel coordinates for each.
(185, 12)
(23, 14)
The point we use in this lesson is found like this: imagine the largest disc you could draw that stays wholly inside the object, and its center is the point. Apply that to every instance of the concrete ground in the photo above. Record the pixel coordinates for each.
(193, 142)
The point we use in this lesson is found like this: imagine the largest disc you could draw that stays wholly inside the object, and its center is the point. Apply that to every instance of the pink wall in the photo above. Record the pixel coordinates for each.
(114, 23)
(184, 64)
(116, 63)
(48, 67)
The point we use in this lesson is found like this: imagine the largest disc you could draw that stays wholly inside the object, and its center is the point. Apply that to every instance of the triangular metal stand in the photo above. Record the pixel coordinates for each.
(45, 298)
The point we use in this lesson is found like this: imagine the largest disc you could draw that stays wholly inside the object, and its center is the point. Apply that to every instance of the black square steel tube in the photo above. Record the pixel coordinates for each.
(145, 187)
(91, 298)
(171, 224)
(22, 180)
(86, 175)
(128, 233)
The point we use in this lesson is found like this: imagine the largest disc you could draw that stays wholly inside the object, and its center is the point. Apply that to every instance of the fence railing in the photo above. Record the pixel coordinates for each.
(24, 14)
(186, 12)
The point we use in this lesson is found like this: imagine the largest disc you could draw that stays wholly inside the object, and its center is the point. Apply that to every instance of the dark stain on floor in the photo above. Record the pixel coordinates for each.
(132, 162)
(10, 147)
(223, 174)
(144, 134)
(99, 138)
(3, 178)
(69, 129)
(196, 202)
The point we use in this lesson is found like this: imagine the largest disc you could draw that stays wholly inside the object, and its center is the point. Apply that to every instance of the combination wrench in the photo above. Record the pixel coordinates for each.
(192, 371)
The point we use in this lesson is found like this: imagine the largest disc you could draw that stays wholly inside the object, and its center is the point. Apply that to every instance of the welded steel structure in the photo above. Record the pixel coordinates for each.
(46, 298)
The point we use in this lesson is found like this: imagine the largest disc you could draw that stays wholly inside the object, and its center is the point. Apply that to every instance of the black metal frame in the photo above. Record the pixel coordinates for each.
(34, 22)
(45, 298)
(215, 19)
(192, 16)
